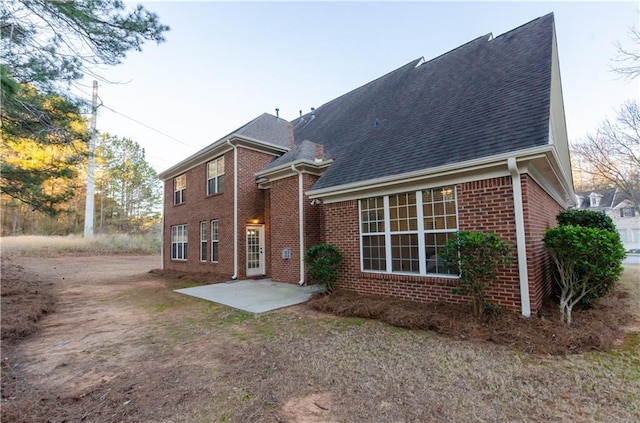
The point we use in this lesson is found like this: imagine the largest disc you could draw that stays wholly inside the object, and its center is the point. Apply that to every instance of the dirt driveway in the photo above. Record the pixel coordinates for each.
(123, 347)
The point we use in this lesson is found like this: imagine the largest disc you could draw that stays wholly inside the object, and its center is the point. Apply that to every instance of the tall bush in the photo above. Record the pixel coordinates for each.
(586, 259)
(322, 263)
(598, 220)
(587, 219)
(476, 257)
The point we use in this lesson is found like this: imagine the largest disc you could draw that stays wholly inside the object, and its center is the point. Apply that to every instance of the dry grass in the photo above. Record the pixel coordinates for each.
(46, 246)
(195, 361)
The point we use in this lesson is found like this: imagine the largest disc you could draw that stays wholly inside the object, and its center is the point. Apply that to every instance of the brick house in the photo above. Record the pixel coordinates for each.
(620, 207)
(474, 139)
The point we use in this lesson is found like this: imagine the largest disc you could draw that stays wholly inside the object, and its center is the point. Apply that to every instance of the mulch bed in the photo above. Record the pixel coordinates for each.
(596, 329)
(25, 300)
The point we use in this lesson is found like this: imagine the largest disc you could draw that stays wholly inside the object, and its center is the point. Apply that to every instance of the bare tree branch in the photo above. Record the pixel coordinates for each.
(612, 154)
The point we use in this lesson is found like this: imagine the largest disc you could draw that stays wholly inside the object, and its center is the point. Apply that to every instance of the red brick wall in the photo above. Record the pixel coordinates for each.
(313, 215)
(285, 229)
(540, 211)
(200, 207)
(284, 225)
(251, 203)
(485, 205)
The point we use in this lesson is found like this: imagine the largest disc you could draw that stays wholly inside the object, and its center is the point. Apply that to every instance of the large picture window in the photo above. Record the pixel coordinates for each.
(179, 187)
(214, 241)
(404, 233)
(215, 176)
(179, 242)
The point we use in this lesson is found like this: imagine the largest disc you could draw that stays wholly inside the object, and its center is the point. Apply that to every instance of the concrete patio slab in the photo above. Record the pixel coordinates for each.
(255, 296)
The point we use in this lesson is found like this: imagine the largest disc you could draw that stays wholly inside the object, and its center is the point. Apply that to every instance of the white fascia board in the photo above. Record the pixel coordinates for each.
(218, 148)
(257, 145)
(493, 166)
(284, 170)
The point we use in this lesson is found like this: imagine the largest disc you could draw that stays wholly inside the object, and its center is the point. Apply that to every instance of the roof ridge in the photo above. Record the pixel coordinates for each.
(485, 37)
(410, 64)
(518, 28)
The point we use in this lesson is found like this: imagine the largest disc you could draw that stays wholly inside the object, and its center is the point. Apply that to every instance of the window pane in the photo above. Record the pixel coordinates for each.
(372, 215)
(402, 212)
(404, 253)
(214, 251)
(220, 184)
(220, 168)
(373, 252)
(434, 243)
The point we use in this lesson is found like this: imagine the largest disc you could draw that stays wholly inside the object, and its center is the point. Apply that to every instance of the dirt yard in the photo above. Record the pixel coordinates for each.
(121, 346)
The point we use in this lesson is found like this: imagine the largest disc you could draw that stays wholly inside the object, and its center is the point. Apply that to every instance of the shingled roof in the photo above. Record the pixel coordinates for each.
(266, 127)
(487, 97)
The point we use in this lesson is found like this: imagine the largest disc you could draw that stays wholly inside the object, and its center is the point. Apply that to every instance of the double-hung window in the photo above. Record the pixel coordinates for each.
(214, 241)
(404, 233)
(215, 176)
(179, 187)
(179, 242)
(203, 241)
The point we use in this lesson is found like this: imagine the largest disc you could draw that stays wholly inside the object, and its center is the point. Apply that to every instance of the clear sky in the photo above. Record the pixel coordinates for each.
(225, 63)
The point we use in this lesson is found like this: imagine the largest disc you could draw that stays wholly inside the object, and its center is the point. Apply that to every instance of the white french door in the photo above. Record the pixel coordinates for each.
(255, 250)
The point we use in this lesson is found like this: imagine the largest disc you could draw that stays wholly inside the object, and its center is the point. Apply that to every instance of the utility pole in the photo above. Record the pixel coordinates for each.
(89, 208)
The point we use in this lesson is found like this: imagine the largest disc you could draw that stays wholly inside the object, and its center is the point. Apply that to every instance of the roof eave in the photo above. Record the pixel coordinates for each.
(285, 170)
(486, 164)
(217, 148)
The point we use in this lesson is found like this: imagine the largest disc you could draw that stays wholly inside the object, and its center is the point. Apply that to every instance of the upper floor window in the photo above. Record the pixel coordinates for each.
(403, 233)
(594, 200)
(627, 212)
(179, 187)
(215, 176)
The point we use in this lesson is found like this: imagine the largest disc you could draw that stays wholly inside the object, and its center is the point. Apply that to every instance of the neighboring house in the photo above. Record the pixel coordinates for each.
(620, 208)
(474, 139)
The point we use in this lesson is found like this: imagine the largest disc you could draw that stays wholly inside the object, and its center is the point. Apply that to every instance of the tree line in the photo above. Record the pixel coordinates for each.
(46, 47)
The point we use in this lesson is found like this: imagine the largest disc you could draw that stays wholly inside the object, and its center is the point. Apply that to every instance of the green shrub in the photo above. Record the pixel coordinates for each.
(586, 259)
(586, 218)
(598, 220)
(322, 261)
(476, 256)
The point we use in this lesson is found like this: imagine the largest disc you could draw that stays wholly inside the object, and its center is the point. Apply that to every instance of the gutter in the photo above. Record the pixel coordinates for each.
(235, 210)
(300, 222)
(471, 165)
(520, 237)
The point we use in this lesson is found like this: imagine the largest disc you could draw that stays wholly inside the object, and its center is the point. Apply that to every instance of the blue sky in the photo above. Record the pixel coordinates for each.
(224, 63)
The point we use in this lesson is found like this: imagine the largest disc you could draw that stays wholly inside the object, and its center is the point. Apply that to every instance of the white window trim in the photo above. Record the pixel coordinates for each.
(185, 242)
(421, 232)
(203, 240)
(176, 190)
(215, 241)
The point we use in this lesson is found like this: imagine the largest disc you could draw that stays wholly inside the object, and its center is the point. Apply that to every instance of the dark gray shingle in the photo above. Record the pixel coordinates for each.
(487, 97)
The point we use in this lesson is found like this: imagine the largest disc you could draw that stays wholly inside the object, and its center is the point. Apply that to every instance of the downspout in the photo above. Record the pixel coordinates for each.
(235, 210)
(520, 237)
(300, 222)
(162, 243)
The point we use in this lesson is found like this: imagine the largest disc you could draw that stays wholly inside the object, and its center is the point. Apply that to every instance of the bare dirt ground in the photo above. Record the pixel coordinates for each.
(121, 346)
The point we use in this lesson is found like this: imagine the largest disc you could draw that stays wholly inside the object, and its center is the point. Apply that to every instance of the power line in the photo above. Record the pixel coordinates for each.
(144, 124)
